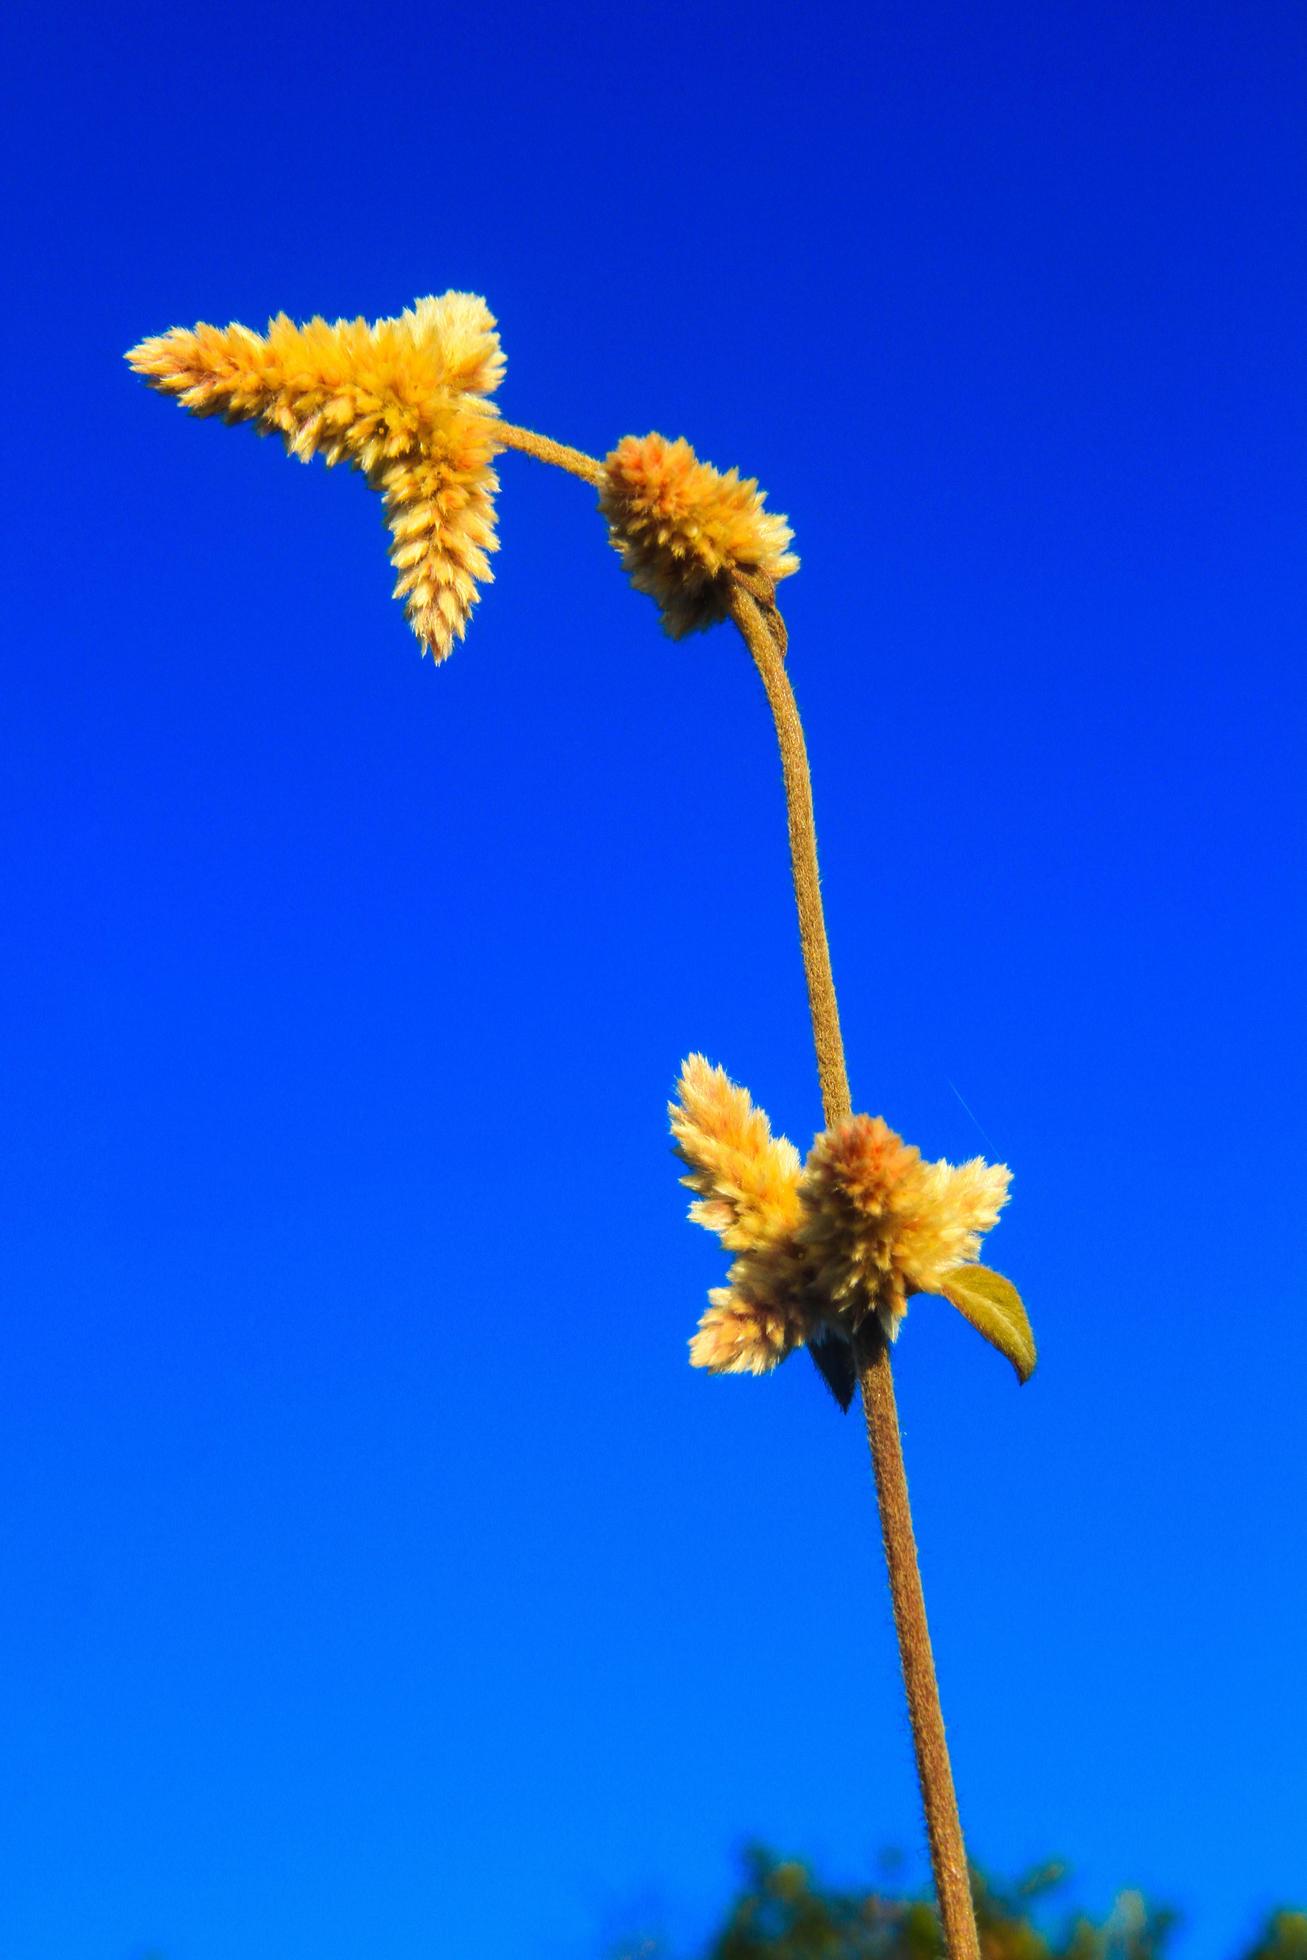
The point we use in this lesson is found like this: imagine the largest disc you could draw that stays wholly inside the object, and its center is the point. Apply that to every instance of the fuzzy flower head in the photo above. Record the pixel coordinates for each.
(684, 530)
(748, 1186)
(404, 400)
(880, 1224)
(822, 1246)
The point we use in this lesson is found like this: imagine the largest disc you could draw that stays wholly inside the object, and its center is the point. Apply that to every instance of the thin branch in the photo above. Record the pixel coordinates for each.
(546, 450)
(765, 645)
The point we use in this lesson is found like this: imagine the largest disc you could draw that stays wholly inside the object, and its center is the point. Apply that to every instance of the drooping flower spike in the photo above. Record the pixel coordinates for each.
(822, 1246)
(404, 400)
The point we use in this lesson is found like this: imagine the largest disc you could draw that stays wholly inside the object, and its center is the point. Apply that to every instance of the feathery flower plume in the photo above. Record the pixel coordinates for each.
(748, 1185)
(684, 530)
(855, 1231)
(403, 400)
(747, 1179)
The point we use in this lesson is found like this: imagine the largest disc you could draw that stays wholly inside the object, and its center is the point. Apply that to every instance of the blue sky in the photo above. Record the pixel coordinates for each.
(367, 1539)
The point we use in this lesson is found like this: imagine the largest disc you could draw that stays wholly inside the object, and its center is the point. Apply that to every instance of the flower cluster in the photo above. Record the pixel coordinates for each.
(685, 531)
(403, 400)
(821, 1246)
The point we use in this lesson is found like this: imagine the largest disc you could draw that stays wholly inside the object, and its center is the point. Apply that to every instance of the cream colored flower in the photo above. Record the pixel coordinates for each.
(403, 400)
(684, 530)
(854, 1232)
(748, 1185)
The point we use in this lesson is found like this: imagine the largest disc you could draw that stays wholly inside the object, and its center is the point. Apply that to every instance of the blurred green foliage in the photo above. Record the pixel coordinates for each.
(783, 1913)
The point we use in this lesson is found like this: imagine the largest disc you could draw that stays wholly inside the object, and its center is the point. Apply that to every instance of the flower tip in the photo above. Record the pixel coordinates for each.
(144, 357)
(737, 1337)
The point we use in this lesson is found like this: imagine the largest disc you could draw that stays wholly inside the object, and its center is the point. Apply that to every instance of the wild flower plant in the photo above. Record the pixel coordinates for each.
(828, 1252)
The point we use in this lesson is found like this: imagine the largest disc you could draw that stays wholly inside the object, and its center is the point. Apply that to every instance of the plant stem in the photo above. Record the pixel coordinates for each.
(823, 1007)
(754, 612)
(546, 450)
(948, 1857)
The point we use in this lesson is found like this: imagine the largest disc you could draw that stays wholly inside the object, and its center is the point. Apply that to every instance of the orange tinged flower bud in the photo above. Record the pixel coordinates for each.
(684, 530)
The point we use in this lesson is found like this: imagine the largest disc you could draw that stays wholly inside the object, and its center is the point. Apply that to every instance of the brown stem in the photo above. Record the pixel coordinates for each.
(754, 615)
(762, 643)
(948, 1857)
(546, 450)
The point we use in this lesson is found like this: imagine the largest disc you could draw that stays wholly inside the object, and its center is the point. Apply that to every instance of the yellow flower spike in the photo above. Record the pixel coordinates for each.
(403, 400)
(747, 1180)
(856, 1231)
(748, 1186)
(685, 531)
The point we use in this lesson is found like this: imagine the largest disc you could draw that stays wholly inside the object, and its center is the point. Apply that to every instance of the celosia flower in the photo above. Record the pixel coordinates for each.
(748, 1184)
(856, 1231)
(684, 530)
(403, 400)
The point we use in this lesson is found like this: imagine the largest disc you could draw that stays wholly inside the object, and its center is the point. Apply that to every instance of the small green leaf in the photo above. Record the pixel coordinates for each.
(993, 1306)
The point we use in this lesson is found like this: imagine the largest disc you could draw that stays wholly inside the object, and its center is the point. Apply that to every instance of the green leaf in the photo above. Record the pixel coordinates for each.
(993, 1306)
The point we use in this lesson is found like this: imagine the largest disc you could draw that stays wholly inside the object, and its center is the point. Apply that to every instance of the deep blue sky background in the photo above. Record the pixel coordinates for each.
(366, 1538)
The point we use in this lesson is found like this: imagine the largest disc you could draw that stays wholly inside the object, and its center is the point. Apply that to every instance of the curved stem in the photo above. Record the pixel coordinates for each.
(762, 642)
(766, 641)
(546, 450)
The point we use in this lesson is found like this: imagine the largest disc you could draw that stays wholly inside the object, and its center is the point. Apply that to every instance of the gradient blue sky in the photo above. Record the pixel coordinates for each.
(366, 1538)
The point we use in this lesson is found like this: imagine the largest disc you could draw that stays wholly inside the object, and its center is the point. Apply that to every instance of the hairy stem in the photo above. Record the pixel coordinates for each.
(765, 646)
(759, 624)
(754, 612)
(948, 1857)
(546, 450)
